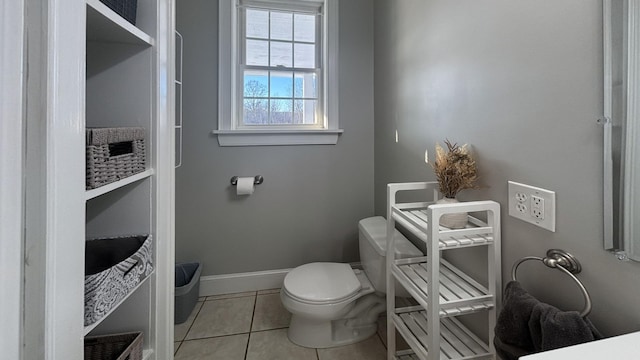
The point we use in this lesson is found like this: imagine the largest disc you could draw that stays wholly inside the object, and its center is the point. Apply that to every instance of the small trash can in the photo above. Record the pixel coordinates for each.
(187, 290)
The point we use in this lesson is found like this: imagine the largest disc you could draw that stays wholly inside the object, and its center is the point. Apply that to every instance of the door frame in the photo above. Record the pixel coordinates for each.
(12, 154)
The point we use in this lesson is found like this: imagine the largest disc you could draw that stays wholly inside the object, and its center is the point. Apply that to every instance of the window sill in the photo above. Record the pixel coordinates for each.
(277, 137)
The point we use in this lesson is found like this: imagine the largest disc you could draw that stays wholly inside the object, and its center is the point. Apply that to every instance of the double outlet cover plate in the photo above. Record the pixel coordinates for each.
(533, 205)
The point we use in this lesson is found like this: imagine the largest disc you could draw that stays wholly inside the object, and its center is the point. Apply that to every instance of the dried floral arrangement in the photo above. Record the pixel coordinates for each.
(455, 169)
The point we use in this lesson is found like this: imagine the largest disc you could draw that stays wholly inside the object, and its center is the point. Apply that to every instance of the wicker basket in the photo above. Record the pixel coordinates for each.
(125, 8)
(114, 154)
(114, 347)
(113, 268)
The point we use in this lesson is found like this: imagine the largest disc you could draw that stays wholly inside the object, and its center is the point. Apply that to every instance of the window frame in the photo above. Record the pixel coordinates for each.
(231, 80)
(315, 9)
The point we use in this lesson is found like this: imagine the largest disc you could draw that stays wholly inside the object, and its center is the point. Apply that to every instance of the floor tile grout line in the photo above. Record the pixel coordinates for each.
(253, 315)
(263, 330)
(217, 336)
(240, 333)
(206, 298)
(381, 340)
(226, 296)
(246, 348)
(193, 322)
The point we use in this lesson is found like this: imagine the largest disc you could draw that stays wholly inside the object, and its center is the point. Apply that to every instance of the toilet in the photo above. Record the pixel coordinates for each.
(332, 304)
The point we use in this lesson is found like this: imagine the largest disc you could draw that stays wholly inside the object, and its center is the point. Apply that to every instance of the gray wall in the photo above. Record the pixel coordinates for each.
(312, 197)
(522, 82)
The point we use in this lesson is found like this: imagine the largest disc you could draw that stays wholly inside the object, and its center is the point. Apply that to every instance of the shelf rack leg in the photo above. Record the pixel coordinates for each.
(433, 288)
(391, 296)
(494, 271)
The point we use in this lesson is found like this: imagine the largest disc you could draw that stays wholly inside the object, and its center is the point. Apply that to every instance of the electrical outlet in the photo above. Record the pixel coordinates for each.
(537, 207)
(537, 214)
(533, 205)
(537, 201)
(521, 197)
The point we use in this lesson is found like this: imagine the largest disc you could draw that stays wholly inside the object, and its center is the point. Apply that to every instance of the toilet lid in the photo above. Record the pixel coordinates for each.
(322, 282)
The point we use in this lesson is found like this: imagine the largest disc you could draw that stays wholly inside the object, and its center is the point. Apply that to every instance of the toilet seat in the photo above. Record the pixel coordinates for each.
(322, 283)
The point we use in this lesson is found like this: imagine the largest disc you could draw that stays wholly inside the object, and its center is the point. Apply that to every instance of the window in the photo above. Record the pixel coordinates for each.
(278, 72)
(280, 67)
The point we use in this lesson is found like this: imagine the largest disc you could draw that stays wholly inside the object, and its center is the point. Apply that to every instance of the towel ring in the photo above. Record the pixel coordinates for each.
(564, 261)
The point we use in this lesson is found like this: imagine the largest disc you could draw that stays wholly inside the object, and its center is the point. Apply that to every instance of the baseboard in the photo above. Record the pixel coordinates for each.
(240, 282)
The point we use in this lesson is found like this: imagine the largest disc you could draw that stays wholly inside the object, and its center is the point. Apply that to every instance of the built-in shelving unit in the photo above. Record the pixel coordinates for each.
(120, 93)
(89, 68)
(432, 329)
(127, 65)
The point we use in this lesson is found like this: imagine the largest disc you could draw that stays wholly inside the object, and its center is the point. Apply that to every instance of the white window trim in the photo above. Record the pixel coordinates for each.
(227, 133)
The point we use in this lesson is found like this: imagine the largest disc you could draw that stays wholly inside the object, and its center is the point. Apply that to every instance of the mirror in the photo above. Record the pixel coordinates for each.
(622, 128)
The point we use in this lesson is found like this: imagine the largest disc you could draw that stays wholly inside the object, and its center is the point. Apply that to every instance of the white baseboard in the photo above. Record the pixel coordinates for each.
(240, 282)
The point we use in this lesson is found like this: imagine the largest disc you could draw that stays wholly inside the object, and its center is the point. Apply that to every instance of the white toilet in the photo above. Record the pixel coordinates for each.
(331, 303)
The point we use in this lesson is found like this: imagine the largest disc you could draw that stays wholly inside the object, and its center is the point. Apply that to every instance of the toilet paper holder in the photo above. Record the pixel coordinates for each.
(258, 179)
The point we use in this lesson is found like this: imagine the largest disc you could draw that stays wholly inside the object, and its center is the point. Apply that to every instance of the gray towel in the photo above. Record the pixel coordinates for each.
(526, 325)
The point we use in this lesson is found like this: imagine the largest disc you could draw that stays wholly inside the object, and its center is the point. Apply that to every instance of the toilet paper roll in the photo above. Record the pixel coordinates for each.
(245, 185)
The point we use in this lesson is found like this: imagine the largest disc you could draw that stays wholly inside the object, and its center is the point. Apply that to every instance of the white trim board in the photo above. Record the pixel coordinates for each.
(12, 170)
(241, 282)
(250, 281)
(64, 159)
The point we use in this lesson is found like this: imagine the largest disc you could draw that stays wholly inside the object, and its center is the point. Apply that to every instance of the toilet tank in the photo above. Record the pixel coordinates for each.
(373, 250)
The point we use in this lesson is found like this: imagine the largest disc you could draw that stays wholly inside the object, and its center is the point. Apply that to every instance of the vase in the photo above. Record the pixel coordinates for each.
(454, 220)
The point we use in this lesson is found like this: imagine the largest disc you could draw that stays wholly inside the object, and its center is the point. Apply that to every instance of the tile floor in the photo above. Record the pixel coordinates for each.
(253, 326)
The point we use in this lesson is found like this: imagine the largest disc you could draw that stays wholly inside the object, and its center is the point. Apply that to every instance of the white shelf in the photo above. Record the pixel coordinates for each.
(89, 328)
(406, 355)
(103, 24)
(456, 341)
(424, 276)
(415, 220)
(93, 193)
(459, 293)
